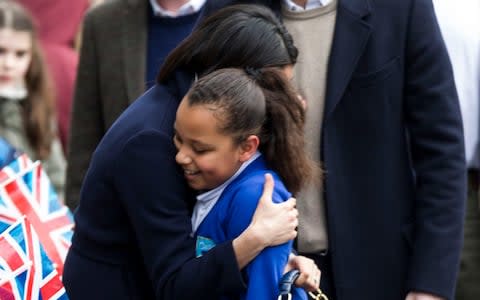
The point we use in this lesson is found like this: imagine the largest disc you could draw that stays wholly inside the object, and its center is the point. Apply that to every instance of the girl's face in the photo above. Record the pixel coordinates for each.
(207, 156)
(15, 56)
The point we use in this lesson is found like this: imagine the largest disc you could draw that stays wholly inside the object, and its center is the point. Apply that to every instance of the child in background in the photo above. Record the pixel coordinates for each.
(26, 104)
(59, 36)
(231, 129)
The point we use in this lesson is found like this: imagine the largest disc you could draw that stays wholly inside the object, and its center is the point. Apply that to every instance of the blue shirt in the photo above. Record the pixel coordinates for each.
(230, 217)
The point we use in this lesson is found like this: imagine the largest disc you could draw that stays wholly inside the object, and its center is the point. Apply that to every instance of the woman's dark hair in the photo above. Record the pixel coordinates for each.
(39, 104)
(263, 103)
(236, 36)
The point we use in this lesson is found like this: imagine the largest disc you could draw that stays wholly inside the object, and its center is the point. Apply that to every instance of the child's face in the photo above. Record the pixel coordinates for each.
(15, 56)
(207, 156)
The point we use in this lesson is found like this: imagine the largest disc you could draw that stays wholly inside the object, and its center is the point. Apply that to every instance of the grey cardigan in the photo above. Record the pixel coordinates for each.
(13, 131)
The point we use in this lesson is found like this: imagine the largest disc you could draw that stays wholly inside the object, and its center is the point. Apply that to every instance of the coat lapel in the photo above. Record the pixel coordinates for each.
(134, 46)
(351, 35)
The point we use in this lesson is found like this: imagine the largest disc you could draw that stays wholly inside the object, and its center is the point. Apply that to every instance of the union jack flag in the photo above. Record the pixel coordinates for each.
(31, 194)
(19, 165)
(25, 270)
(7, 154)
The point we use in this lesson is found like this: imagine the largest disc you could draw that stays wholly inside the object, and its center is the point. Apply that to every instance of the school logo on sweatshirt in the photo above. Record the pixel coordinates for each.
(203, 245)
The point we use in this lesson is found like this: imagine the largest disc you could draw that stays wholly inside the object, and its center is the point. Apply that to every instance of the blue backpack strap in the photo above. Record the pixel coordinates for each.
(286, 283)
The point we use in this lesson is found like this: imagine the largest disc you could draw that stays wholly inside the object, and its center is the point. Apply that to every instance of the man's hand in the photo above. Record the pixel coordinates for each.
(422, 296)
(309, 278)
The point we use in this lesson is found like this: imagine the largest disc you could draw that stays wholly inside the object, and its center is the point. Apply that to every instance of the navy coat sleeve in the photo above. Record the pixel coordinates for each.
(434, 126)
(152, 189)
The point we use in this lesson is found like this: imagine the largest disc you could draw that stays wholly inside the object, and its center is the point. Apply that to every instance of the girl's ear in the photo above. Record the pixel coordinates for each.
(249, 147)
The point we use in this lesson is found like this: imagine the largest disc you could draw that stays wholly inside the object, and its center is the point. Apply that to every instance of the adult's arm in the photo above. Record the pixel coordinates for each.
(152, 189)
(434, 125)
(86, 119)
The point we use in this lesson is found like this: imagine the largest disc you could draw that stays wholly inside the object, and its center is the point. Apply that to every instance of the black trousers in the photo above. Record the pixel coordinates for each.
(468, 284)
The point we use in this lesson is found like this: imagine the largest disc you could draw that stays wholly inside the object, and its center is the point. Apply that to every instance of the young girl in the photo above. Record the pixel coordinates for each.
(232, 128)
(26, 104)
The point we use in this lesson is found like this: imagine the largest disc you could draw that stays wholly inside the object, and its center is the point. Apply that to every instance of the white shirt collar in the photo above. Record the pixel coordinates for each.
(188, 8)
(311, 4)
(17, 91)
(207, 200)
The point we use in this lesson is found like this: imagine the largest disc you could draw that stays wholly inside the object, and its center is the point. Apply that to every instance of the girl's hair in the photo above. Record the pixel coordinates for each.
(260, 102)
(236, 36)
(38, 106)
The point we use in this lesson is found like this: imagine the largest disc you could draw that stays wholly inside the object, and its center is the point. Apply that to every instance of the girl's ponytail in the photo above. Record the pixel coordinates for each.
(282, 138)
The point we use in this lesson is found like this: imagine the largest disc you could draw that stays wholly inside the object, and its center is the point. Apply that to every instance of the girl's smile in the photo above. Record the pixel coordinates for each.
(190, 175)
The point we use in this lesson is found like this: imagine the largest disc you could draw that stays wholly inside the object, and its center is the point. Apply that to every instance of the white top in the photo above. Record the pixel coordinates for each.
(460, 25)
(207, 200)
(188, 8)
(311, 4)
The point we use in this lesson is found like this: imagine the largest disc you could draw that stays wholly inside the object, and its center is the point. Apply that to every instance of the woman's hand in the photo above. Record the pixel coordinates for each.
(310, 275)
(274, 223)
